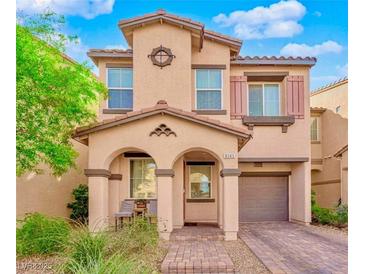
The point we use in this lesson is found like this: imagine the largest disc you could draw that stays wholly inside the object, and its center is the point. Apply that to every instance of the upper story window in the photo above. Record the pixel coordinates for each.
(264, 99)
(120, 86)
(208, 89)
(314, 129)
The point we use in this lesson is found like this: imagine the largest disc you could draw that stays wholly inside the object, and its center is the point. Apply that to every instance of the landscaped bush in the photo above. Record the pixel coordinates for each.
(90, 252)
(325, 216)
(80, 210)
(39, 234)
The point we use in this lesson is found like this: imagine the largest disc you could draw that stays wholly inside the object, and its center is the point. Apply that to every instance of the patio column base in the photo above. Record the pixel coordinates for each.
(164, 235)
(230, 235)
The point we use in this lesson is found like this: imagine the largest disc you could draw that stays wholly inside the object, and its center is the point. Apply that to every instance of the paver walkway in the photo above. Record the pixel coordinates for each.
(291, 248)
(197, 250)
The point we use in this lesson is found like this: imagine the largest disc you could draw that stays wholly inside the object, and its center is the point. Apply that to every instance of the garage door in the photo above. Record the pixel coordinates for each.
(263, 199)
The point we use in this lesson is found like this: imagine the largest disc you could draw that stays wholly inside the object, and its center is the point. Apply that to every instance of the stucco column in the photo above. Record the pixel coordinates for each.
(300, 193)
(98, 198)
(114, 200)
(230, 203)
(164, 202)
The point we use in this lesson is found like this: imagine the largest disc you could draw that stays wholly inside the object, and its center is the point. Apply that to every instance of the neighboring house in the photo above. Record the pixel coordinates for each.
(213, 136)
(329, 130)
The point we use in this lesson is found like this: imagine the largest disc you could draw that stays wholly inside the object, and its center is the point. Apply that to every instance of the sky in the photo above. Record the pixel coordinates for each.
(288, 27)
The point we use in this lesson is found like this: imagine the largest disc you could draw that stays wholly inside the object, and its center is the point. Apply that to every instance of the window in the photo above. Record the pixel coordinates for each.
(200, 182)
(314, 129)
(120, 85)
(338, 108)
(209, 89)
(142, 178)
(264, 100)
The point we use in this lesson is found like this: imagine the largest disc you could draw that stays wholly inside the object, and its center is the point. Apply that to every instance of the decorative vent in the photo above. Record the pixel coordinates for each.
(163, 129)
(161, 56)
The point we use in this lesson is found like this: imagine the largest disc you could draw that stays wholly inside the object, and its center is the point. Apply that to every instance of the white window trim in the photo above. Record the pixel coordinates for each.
(130, 177)
(214, 89)
(263, 96)
(122, 88)
(317, 136)
(210, 184)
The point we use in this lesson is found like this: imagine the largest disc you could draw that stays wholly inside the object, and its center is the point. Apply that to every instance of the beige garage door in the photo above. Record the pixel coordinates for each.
(263, 199)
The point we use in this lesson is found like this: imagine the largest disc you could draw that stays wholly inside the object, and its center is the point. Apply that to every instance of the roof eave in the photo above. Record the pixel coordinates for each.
(309, 63)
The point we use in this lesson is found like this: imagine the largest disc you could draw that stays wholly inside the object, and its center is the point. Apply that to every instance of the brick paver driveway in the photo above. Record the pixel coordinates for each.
(291, 248)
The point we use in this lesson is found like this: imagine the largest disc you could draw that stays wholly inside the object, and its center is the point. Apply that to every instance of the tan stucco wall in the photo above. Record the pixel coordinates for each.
(333, 97)
(334, 136)
(270, 141)
(47, 194)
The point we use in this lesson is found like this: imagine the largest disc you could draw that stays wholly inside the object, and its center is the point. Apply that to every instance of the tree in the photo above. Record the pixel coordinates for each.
(54, 95)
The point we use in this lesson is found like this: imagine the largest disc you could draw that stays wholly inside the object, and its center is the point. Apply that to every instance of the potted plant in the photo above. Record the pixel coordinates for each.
(141, 203)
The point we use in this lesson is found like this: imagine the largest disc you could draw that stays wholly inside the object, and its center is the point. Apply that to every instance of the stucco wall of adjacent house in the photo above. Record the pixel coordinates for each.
(48, 194)
(327, 182)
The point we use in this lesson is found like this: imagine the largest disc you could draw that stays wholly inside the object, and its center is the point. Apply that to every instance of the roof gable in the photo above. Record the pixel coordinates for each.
(162, 107)
(197, 28)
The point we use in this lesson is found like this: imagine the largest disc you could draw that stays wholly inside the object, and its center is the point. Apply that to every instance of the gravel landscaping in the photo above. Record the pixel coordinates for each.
(244, 260)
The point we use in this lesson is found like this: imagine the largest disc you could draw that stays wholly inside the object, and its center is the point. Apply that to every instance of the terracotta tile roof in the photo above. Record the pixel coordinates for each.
(162, 107)
(341, 81)
(110, 53)
(274, 60)
(159, 13)
(187, 22)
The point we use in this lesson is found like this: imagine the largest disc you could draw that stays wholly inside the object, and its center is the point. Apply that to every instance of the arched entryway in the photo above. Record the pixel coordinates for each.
(197, 188)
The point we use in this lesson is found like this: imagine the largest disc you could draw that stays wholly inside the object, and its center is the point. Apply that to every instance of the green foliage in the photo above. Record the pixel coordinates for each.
(92, 253)
(313, 198)
(38, 234)
(326, 216)
(53, 95)
(80, 205)
(138, 241)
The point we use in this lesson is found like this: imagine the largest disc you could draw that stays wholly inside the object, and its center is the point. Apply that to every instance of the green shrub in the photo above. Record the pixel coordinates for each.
(39, 234)
(342, 215)
(323, 215)
(114, 265)
(90, 252)
(80, 210)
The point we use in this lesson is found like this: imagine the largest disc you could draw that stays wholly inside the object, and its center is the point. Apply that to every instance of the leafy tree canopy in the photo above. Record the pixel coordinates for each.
(54, 95)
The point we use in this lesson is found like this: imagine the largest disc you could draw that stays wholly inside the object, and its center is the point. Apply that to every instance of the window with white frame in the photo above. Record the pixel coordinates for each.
(142, 178)
(200, 178)
(264, 99)
(208, 89)
(314, 129)
(120, 86)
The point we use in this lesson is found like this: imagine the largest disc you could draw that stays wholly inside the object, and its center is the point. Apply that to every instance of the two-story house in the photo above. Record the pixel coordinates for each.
(213, 136)
(329, 142)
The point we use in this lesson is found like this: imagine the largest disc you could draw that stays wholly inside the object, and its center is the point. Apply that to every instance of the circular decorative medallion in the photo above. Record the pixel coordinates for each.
(161, 56)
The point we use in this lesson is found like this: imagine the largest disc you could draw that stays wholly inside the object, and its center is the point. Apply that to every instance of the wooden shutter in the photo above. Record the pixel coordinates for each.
(238, 95)
(295, 96)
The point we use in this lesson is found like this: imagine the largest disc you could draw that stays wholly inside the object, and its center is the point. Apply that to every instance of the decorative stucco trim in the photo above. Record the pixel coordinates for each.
(118, 65)
(283, 121)
(229, 172)
(328, 182)
(116, 111)
(273, 160)
(117, 177)
(210, 112)
(266, 73)
(208, 200)
(202, 66)
(162, 129)
(164, 172)
(317, 161)
(315, 142)
(266, 174)
(97, 173)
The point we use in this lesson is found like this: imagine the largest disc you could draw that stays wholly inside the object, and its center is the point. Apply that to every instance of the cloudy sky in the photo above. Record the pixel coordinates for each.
(288, 27)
